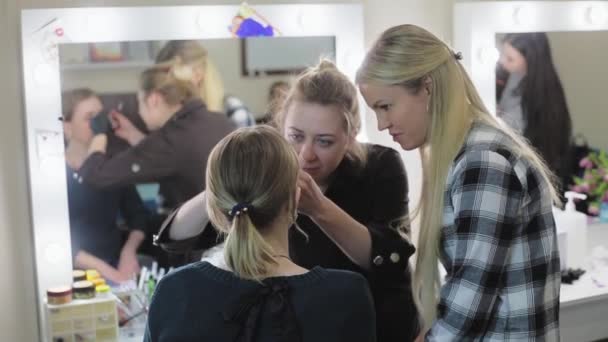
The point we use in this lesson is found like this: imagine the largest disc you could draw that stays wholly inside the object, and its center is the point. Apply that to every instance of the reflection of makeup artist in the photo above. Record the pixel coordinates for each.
(96, 238)
(531, 98)
(174, 154)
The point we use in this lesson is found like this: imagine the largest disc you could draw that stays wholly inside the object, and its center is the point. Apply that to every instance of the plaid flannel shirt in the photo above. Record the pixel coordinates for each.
(498, 246)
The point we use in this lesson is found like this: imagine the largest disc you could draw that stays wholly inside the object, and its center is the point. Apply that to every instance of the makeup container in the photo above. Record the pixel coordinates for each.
(83, 290)
(59, 295)
(79, 275)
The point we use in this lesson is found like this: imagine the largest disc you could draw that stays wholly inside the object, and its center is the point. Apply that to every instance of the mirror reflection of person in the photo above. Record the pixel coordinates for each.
(97, 241)
(199, 69)
(253, 291)
(486, 200)
(531, 99)
(276, 95)
(353, 199)
(182, 133)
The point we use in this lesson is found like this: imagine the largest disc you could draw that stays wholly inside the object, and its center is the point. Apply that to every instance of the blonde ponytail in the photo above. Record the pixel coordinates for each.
(246, 252)
(245, 195)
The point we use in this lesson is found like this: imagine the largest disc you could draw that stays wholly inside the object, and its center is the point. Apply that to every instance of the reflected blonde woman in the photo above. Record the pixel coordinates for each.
(486, 202)
(192, 63)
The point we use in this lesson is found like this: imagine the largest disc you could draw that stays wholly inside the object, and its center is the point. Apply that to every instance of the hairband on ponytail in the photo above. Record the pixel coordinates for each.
(240, 208)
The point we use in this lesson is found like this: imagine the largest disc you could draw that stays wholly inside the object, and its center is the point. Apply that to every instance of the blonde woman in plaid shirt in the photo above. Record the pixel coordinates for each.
(496, 237)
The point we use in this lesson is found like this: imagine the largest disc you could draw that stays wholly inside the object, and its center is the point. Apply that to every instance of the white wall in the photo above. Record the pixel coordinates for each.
(18, 319)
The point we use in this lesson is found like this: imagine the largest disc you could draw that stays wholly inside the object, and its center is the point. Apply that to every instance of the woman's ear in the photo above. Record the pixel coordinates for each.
(298, 193)
(198, 74)
(153, 99)
(428, 84)
(67, 130)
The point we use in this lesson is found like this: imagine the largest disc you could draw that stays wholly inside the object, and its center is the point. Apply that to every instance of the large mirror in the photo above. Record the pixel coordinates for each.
(250, 75)
(106, 49)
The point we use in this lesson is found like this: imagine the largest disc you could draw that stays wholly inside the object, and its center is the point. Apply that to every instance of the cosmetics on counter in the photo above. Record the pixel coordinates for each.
(85, 311)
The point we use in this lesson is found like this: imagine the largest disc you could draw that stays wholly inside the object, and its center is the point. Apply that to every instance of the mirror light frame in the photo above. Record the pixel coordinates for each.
(42, 31)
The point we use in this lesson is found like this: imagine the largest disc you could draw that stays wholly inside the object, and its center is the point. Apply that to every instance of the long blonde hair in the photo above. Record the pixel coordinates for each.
(255, 168)
(409, 56)
(188, 56)
(161, 79)
(324, 84)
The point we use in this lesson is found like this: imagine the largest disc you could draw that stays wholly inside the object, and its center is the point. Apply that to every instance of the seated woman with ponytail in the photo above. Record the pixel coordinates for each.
(253, 291)
(174, 153)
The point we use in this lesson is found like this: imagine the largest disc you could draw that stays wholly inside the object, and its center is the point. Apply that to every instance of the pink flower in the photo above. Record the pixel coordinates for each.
(605, 198)
(585, 187)
(593, 210)
(577, 188)
(605, 178)
(585, 163)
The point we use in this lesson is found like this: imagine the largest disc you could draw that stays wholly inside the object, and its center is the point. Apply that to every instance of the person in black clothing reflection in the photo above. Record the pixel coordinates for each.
(253, 291)
(174, 154)
(97, 242)
(354, 197)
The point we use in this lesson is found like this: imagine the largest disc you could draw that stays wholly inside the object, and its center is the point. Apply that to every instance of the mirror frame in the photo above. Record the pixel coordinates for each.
(477, 23)
(43, 29)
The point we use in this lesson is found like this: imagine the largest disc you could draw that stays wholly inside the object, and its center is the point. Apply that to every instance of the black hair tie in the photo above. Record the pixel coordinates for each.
(458, 55)
(240, 208)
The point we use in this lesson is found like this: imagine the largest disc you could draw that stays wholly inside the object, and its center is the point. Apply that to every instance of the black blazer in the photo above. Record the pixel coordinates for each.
(376, 196)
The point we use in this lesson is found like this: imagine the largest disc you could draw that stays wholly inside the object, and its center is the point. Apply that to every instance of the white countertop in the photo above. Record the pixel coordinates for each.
(586, 289)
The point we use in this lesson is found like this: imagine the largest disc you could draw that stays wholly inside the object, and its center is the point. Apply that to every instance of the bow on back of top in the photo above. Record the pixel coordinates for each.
(248, 308)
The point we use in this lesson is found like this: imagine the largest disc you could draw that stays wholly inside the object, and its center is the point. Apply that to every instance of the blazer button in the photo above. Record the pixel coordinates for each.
(135, 168)
(395, 257)
(378, 260)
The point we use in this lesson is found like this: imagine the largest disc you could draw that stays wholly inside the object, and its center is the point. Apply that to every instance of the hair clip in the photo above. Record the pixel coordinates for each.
(458, 55)
(240, 208)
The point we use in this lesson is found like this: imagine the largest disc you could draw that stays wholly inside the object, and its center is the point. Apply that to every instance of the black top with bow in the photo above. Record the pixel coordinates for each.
(201, 302)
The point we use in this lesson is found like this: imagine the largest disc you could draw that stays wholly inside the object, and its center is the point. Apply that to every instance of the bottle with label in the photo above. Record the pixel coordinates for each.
(604, 210)
(575, 224)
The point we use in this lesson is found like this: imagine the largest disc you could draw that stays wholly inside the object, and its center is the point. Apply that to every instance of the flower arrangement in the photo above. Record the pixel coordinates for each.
(594, 182)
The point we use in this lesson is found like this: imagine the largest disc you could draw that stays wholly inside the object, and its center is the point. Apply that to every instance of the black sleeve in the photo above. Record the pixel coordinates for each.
(388, 190)
(133, 210)
(153, 158)
(360, 322)
(187, 249)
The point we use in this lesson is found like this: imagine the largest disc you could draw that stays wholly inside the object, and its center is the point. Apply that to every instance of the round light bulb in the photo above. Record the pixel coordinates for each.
(522, 15)
(54, 253)
(488, 55)
(596, 15)
(43, 74)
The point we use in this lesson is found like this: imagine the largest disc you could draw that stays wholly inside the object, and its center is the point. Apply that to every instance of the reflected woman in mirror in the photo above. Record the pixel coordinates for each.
(253, 291)
(97, 241)
(531, 99)
(182, 133)
(198, 68)
(353, 199)
(486, 200)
